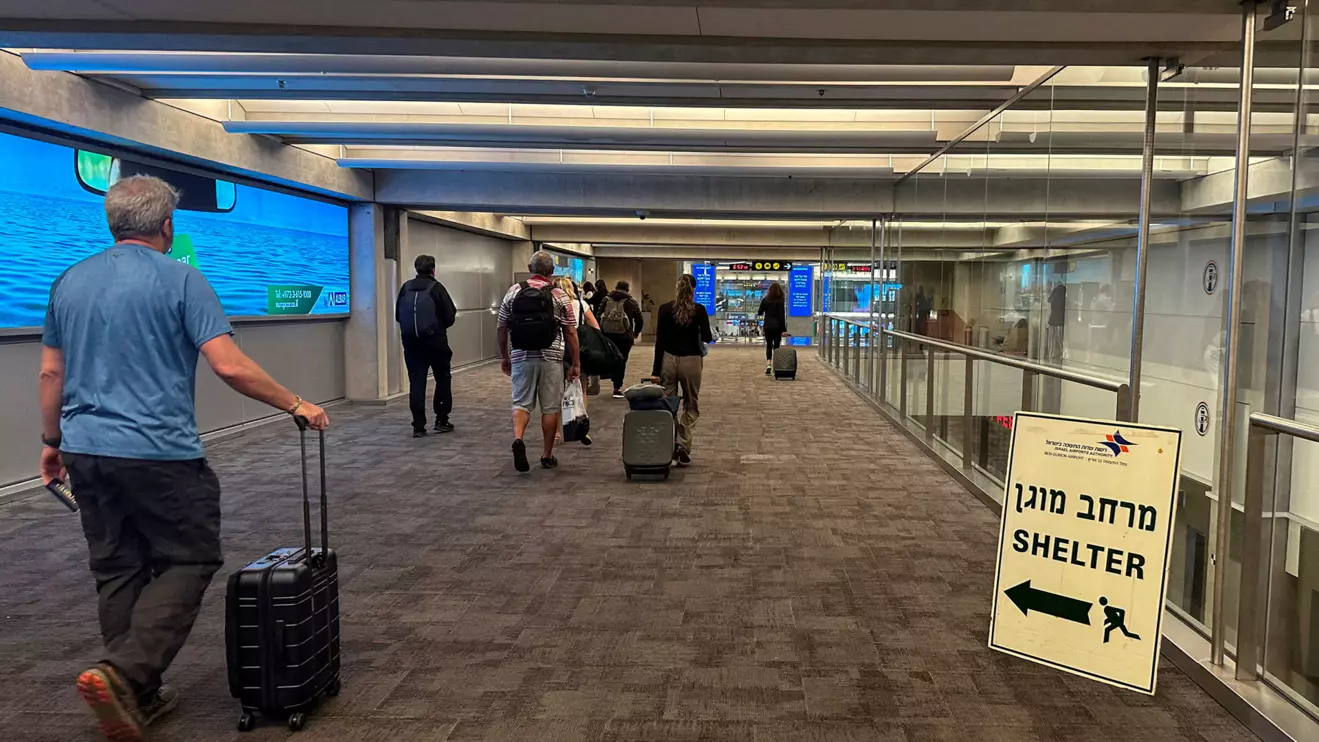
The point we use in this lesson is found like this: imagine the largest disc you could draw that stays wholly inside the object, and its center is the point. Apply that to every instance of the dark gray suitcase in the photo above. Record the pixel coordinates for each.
(648, 442)
(282, 623)
(785, 363)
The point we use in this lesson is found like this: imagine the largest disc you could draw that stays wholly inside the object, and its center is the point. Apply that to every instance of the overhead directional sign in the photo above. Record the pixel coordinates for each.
(1083, 547)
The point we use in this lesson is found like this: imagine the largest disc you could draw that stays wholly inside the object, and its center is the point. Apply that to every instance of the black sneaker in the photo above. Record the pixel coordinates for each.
(165, 699)
(520, 456)
(419, 433)
(444, 427)
(586, 440)
(548, 462)
(618, 394)
(684, 458)
(109, 697)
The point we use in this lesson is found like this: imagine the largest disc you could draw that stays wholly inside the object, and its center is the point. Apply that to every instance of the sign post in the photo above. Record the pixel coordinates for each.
(1083, 548)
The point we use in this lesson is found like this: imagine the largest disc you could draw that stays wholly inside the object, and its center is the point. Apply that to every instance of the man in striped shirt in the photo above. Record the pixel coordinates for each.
(535, 310)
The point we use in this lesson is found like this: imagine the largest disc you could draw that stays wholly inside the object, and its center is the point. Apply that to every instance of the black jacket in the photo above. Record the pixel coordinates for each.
(775, 319)
(444, 308)
(679, 340)
(630, 306)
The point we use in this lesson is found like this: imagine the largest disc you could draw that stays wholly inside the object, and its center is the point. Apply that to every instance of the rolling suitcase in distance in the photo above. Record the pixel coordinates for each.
(649, 431)
(282, 622)
(785, 363)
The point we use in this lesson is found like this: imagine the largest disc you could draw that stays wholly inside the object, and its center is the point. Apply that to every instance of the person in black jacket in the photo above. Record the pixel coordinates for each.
(776, 322)
(681, 328)
(621, 321)
(425, 312)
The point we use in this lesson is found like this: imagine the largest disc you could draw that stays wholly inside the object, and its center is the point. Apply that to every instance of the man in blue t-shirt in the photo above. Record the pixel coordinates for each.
(118, 372)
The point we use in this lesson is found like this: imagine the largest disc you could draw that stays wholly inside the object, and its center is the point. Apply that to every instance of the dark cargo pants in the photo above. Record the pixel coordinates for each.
(153, 536)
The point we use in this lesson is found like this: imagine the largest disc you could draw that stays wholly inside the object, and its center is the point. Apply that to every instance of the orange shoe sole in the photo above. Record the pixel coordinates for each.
(115, 720)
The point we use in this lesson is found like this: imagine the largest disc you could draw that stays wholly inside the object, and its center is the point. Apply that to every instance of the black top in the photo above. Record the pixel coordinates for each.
(775, 319)
(679, 340)
(445, 311)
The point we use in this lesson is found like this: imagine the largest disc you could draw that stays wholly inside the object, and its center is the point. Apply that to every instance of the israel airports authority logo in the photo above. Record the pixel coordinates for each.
(1116, 443)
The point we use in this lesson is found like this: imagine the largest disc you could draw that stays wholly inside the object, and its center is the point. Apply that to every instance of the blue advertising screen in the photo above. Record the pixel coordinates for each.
(574, 268)
(801, 286)
(704, 275)
(828, 286)
(265, 253)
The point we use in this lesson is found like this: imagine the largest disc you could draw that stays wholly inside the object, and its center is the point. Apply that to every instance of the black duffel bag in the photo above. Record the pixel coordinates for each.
(600, 357)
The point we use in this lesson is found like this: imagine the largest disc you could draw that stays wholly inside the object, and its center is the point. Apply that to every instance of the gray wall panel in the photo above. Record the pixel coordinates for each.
(476, 270)
(307, 357)
(20, 430)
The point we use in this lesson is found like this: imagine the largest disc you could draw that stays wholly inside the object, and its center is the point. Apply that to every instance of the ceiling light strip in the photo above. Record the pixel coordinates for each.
(973, 128)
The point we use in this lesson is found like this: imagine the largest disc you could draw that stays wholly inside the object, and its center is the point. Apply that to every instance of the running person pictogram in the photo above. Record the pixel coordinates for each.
(1115, 619)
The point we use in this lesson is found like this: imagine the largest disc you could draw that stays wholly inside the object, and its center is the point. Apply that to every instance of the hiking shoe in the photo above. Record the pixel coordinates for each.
(419, 433)
(165, 699)
(548, 462)
(444, 427)
(684, 458)
(107, 694)
(618, 394)
(520, 456)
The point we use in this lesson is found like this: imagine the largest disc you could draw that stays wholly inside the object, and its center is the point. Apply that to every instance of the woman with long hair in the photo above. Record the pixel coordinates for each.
(682, 328)
(773, 307)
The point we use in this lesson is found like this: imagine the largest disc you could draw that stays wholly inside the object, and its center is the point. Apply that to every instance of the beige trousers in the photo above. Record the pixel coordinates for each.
(684, 371)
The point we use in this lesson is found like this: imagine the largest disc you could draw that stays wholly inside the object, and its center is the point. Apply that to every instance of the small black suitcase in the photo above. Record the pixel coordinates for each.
(282, 622)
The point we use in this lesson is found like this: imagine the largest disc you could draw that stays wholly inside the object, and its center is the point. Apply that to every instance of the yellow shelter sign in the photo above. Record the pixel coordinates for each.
(1083, 546)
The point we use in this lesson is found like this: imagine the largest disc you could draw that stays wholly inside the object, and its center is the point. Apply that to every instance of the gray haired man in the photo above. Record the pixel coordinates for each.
(536, 323)
(123, 331)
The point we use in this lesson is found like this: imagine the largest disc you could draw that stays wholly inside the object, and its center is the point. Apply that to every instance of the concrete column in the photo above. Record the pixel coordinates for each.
(366, 356)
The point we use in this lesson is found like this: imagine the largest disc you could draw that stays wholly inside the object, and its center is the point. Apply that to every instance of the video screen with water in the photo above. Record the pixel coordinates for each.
(265, 253)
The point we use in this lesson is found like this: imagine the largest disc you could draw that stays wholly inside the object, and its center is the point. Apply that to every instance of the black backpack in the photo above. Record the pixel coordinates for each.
(533, 322)
(417, 314)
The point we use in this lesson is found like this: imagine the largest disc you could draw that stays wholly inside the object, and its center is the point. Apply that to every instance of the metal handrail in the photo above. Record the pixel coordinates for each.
(1255, 541)
(1097, 382)
(1030, 371)
(1284, 425)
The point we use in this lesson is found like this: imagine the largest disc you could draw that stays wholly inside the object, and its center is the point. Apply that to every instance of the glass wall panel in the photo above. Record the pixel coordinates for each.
(1286, 81)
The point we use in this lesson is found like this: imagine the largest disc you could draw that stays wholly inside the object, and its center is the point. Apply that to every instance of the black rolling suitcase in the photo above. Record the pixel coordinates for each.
(282, 622)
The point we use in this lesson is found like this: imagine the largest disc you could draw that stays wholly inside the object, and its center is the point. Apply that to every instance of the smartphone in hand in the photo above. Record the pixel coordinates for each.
(62, 493)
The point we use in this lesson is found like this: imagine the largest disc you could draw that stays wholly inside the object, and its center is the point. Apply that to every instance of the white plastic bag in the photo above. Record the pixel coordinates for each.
(575, 421)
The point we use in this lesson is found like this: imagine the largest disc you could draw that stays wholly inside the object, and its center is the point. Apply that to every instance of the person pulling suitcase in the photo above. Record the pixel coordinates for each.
(125, 434)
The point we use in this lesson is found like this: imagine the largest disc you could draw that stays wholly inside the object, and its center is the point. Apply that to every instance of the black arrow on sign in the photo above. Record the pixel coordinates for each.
(1030, 599)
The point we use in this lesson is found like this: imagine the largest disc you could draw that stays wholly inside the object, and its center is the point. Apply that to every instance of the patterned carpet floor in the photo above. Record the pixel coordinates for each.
(812, 577)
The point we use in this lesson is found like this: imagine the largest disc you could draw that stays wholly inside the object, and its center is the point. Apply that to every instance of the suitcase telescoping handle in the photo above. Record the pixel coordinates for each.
(303, 423)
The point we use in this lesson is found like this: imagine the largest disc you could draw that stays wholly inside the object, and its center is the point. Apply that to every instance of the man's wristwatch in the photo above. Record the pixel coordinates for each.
(52, 442)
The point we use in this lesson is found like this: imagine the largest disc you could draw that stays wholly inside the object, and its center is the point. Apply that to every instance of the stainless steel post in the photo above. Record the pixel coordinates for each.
(1143, 240)
(1231, 366)
(929, 394)
(901, 348)
(1254, 559)
(1123, 411)
(883, 366)
(856, 354)
(1027, 390)
(968, 402)
(874, 245)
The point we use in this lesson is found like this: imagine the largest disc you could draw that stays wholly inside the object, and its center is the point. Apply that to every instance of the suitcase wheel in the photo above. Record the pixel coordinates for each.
(246, 722)
(297, 721)
(666, 474)
(334, 688)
